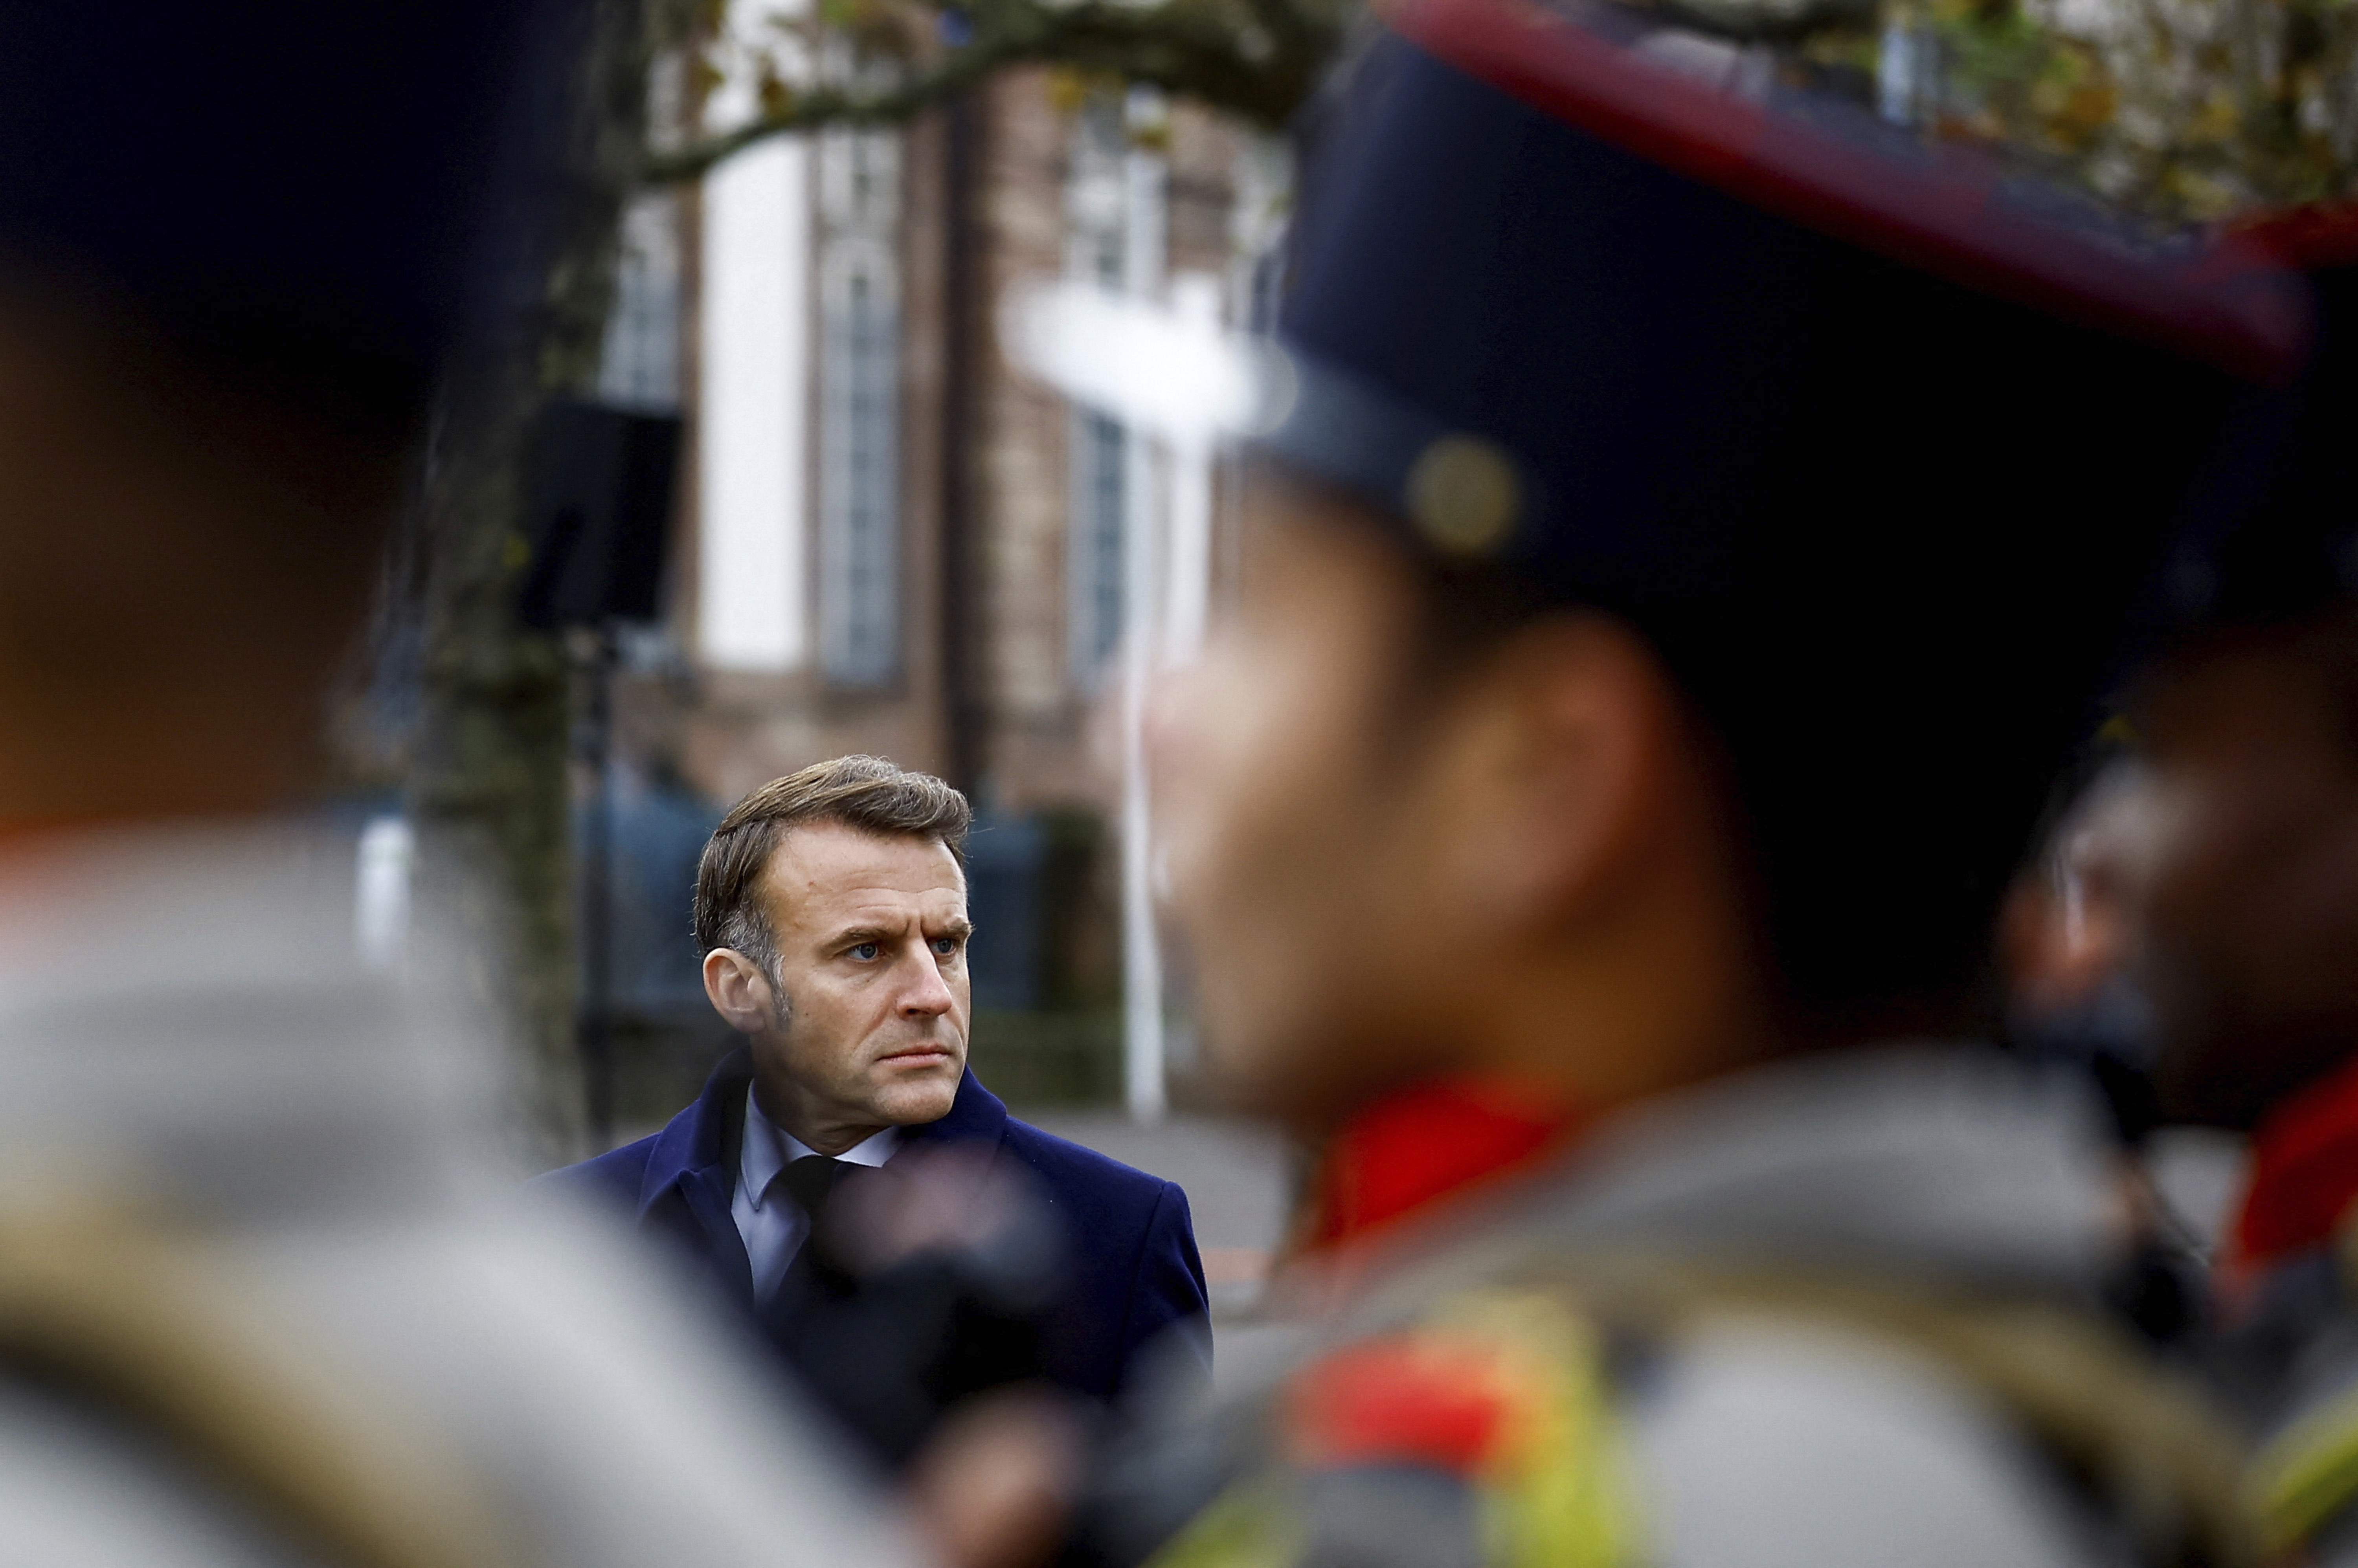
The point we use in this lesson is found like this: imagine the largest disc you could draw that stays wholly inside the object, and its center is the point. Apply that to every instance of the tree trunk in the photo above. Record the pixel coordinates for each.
(488, 789)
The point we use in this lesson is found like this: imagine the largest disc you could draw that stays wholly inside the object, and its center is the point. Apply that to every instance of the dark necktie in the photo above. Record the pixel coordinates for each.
(810, 1180)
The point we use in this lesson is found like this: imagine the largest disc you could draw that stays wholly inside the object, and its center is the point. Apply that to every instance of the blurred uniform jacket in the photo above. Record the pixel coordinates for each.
(264, 1297)
(2284, 1340)
(1834, 1312)
(1129, 1275)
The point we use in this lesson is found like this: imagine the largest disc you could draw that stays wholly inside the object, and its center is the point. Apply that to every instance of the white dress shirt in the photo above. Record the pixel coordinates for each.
(772, 1224)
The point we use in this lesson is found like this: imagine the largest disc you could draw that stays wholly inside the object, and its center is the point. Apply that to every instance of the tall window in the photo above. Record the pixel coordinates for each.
(640, 366)
(859, 408)
(1097, 208)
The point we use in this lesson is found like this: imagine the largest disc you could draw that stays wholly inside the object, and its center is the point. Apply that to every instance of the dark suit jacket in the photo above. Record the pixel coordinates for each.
(1130, 1268)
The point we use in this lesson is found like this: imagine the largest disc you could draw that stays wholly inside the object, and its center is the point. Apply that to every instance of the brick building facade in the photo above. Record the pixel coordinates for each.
(888, 540)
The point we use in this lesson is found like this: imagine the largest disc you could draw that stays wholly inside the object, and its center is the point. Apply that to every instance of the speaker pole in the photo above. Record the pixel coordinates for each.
(597, 1020)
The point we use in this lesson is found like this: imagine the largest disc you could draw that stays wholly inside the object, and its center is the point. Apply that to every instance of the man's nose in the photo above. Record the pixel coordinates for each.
(928, 994)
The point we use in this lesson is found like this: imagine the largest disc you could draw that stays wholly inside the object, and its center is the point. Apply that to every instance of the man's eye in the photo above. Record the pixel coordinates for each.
(865, 951)
(948, 946)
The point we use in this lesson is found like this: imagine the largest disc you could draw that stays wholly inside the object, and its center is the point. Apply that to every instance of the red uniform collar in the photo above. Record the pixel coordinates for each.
(1416, 1145)
(2304, 1173)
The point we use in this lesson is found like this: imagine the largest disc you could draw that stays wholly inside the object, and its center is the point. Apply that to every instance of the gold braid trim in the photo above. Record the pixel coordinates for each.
(2142, 1439)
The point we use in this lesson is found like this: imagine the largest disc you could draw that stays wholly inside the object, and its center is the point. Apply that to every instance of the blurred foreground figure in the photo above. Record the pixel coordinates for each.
(1694, 544)
(262, 1299)
(2244, 885)
(2066, 935)
(2074, 1005)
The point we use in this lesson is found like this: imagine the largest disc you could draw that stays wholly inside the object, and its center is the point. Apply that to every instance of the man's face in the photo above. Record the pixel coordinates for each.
(871, 934)
(2247, 896)
(1291, 813)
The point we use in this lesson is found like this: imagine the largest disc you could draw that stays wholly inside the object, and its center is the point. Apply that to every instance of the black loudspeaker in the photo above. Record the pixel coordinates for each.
(598, 503)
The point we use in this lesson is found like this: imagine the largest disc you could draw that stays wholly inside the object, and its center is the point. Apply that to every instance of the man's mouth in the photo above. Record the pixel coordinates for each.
(917, 1055)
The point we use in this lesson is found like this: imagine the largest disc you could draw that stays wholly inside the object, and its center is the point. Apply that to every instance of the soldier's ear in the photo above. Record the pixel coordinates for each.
(1569, 765)
(739, 990)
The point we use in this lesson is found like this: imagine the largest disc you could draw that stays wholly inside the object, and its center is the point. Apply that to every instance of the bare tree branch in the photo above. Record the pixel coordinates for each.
(1258, 59)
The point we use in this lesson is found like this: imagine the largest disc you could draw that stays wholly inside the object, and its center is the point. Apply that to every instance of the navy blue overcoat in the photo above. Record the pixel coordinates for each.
(1131, 1273)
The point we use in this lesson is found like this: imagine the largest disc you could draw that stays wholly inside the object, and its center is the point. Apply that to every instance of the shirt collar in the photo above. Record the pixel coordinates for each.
(770, 1149)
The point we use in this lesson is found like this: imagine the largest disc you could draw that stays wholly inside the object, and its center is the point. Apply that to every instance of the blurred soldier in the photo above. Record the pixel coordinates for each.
(2073, 1004)
(2064, 940)
(263, 1298)
(831, 906)
(1694, 537)
(2244, 885)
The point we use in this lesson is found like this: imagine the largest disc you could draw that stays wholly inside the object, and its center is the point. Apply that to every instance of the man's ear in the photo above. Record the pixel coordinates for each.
(1569, 763)
(739, 990)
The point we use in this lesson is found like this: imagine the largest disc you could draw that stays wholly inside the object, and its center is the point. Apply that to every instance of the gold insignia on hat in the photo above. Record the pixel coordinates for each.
(1462, 496)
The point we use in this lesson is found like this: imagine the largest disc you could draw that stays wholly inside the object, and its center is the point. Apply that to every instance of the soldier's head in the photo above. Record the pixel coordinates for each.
(2247, 881)
(235, 245)
(183, 563)
(1677, 580)
(831, 908)
(2246, 877)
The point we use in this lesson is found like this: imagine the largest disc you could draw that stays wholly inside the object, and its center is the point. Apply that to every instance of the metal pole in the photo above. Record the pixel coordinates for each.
(1187, 586)
(596, 1022)
(1144, 243)
(965, 717)
(1191, 555)
(1141, 959)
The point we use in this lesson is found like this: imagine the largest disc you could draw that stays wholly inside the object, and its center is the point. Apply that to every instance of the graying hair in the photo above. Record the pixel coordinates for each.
(871, 793)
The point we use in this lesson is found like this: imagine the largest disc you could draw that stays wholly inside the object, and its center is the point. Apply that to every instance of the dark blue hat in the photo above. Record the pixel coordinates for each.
(1646, 298)
(2289, 548)
(1876, 441)
(308, 181)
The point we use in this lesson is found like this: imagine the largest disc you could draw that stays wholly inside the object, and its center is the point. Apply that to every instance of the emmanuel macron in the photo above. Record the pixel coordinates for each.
(830, 905)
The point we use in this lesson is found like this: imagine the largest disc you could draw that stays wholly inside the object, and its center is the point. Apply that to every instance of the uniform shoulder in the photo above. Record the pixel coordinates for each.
(1769, 1443)
(1743, 1442)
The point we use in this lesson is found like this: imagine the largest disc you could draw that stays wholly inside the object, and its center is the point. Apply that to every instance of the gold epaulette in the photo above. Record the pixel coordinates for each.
(2142, 1443)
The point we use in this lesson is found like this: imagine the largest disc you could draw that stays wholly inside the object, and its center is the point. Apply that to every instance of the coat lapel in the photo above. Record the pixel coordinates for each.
(691, 1176)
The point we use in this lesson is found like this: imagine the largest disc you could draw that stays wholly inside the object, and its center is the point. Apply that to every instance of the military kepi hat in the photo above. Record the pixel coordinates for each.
(1876, 439)
(342, 187)
(2289, 550)
(1569, 288)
